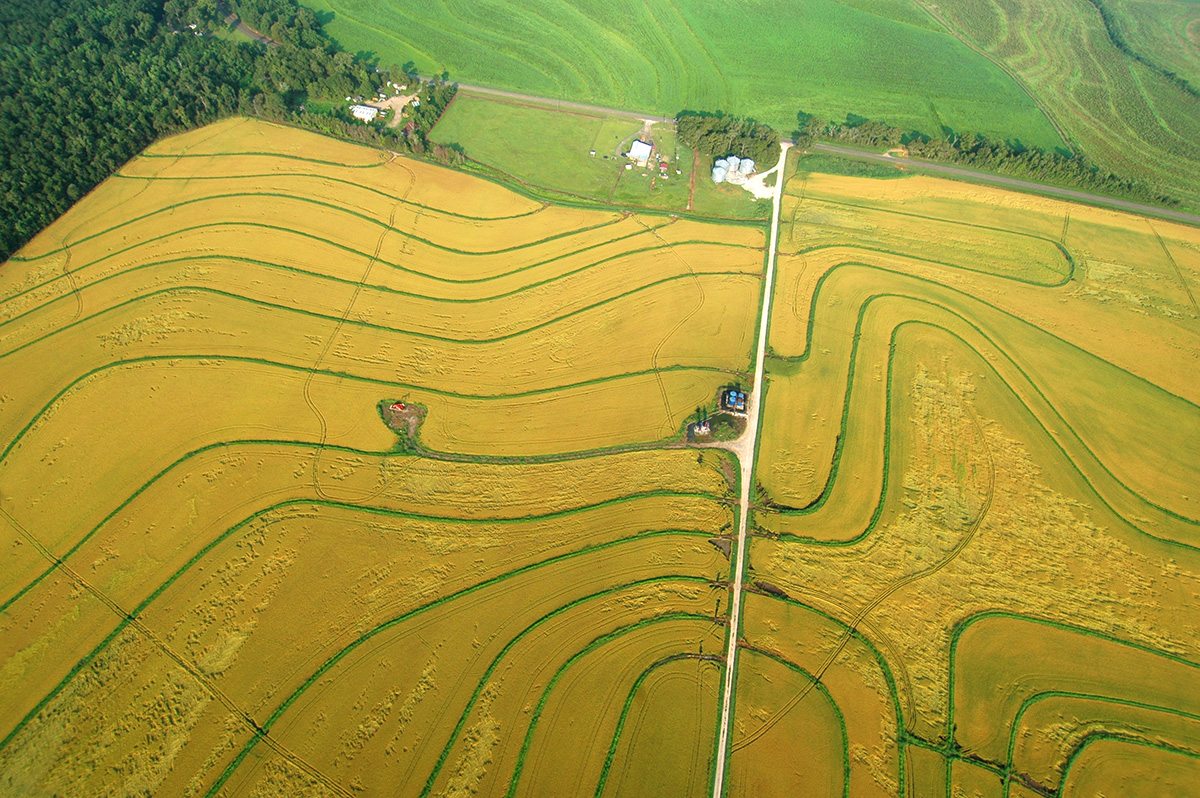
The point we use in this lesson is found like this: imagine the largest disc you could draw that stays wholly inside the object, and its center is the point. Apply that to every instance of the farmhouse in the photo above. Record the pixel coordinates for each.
(639, 152)
(364, 113)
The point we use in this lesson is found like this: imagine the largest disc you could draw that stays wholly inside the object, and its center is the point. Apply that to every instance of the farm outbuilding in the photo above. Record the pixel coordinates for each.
(364, 113)
(640, 151)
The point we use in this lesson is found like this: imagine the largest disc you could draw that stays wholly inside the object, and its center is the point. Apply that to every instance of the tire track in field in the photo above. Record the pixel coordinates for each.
(337, 330)
(887, 592)
(1175, 266)
(662, 386)
(205, 682)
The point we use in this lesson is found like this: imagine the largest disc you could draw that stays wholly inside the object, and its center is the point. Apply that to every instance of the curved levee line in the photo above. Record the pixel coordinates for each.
(1129, 739)
(815, 683)
(855, 634)
(827, 490)
(483, 680)
(171, 208)
(312, 175)
(337, 374)
(131, 616)
(885, 593)
(967, 623)
(1067, 257)
(1051, 694)
(616, 737)
(344, 248)
(185, 289)
(958, 267)
(515, 460)
(597, 643)
(207, 258)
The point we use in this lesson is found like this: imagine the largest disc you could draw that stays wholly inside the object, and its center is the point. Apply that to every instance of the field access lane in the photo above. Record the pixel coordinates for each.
(744, 448)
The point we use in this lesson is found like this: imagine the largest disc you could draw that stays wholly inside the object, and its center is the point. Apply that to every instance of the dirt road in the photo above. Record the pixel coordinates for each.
(744, 448)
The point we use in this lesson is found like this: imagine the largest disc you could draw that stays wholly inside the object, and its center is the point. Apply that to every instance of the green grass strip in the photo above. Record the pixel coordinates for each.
(304, 504)
(1130, 739)
(833, 704)
(211, 359)
(597, 643)
(171, 208)
(328, 179)
(184, 290)
(616, 737)
(1049, 694)
(483, 681)
(967, 623)
(827, 489)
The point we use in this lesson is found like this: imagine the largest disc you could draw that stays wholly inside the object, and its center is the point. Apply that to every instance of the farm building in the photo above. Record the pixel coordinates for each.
(364, 113)
(639, 152)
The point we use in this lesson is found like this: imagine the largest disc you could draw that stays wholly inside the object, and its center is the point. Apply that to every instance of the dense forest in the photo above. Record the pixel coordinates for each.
(979, 152)
(87, 84)
(715, 135)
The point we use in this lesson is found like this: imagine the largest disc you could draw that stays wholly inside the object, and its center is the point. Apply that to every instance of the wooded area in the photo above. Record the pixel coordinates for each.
(87, 84)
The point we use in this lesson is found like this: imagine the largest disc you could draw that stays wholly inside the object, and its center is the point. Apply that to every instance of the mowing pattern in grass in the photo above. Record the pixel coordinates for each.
(766, 60)
(977, 484)
(1126, 115)
(223, 574)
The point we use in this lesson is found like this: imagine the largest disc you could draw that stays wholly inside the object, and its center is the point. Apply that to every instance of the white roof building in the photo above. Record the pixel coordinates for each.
(364, 113)
(640, 151)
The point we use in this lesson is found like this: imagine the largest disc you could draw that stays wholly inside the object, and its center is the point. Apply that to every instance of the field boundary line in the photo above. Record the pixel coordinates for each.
(205, 682)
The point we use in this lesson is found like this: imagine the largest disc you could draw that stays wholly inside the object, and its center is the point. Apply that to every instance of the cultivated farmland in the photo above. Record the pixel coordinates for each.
(978, 517)
(329, 472)
(763, 60)
(224, 574)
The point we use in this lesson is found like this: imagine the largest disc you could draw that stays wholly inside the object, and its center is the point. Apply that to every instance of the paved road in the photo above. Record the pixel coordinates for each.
(974, 176)
(744, 448)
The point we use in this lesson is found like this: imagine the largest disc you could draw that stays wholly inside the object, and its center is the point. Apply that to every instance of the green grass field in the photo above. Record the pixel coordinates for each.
(1125, 116)
(548, 152)
(767, 61)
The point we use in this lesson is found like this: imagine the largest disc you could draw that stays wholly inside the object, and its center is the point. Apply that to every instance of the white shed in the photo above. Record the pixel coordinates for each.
(365, 113)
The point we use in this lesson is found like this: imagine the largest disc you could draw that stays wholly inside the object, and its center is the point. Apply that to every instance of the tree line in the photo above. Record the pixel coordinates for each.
(87, 84)
(980, 152)
(717, 135)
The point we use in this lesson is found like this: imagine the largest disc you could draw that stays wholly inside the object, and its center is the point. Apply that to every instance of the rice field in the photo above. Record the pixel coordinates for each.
(977, 533)
(231, 569)
(763, 60)
(224, 574)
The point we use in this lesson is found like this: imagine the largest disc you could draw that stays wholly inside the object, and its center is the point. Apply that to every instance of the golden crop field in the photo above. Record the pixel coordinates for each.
(225, 575)
(231, 569)
(977, 534)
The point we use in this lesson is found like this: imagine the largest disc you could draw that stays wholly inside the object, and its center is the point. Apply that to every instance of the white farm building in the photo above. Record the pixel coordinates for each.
(639, 152)
(364, 113)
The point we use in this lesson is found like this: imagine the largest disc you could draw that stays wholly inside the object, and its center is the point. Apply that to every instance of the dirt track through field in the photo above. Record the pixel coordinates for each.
(744, 449)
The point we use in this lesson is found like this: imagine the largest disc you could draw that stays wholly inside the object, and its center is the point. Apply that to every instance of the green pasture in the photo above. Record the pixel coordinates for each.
(883, 60)
(548, 150)
(1123, 114)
